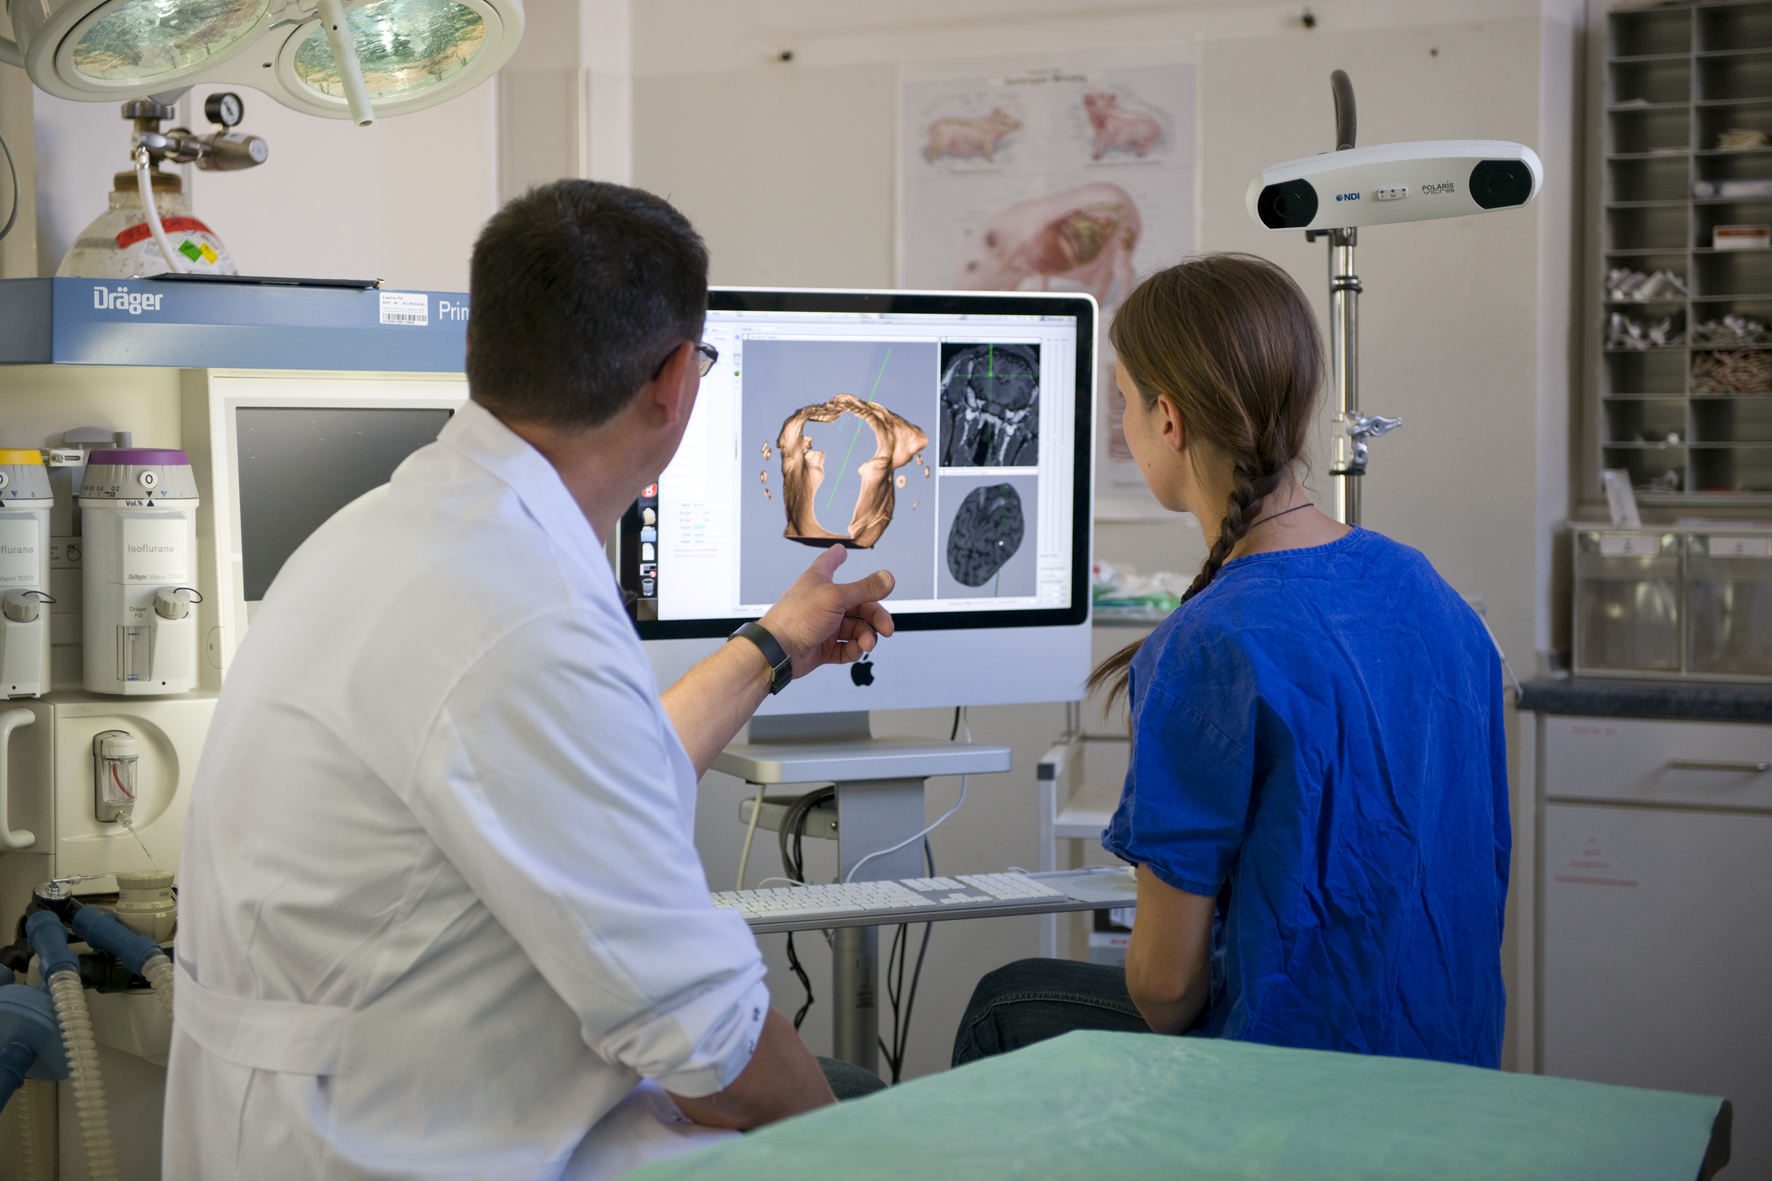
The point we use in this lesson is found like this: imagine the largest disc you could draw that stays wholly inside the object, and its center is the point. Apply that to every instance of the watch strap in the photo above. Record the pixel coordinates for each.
(781, 667)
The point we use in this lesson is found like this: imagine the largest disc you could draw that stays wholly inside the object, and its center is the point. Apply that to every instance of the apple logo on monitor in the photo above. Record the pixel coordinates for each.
(862, 672)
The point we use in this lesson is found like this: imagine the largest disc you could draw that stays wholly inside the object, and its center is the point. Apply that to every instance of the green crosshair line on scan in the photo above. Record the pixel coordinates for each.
(990, 395)
(859, 424)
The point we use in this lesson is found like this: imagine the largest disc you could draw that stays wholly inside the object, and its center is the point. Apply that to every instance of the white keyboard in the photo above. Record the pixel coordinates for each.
(906, 895)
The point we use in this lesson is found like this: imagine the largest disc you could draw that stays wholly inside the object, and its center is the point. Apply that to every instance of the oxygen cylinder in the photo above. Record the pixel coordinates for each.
(138, 512)
(118, 244)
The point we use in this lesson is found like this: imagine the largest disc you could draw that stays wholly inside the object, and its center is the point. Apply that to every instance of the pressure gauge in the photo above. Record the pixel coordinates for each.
(225, 108)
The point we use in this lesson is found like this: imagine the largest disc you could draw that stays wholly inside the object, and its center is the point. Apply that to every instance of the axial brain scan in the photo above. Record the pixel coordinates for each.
(985, 534)
(896, 443)
(990, 405)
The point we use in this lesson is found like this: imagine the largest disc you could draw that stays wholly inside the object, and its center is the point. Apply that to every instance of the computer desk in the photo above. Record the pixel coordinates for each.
(1102, 888)
(1132, 1106)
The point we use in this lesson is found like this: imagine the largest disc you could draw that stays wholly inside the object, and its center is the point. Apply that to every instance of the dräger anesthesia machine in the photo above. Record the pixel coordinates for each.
(166, 446)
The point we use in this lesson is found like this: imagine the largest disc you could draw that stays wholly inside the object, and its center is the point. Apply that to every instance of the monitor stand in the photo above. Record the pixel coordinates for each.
(879, 785)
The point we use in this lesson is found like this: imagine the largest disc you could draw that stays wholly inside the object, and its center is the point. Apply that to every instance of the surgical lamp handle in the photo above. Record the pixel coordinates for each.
(344, 56)
(12, 838)
(1343, 88)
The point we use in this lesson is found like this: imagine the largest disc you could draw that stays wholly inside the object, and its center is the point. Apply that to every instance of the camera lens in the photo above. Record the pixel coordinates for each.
(1291, 205)
(1496, 184)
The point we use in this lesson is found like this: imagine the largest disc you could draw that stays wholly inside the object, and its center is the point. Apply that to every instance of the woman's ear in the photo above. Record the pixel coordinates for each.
(1171, 429)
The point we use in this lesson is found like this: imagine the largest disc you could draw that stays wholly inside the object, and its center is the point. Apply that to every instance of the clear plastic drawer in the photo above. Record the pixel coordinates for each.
(1627, 601)
(1729, 604)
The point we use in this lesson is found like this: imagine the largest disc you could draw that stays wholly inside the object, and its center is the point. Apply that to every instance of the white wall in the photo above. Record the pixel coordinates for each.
(787, 168)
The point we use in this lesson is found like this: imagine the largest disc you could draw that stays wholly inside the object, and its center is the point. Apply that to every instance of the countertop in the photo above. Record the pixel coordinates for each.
(1603, 697)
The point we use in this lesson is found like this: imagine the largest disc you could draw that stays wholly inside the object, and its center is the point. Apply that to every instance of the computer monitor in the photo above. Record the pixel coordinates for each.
(286, 452)
(942, 436)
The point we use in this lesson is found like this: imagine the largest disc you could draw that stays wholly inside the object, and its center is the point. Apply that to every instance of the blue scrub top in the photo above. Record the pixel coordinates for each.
(1317, 740)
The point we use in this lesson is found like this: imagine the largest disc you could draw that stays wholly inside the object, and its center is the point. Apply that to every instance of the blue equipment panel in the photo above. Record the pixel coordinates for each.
(189, 325)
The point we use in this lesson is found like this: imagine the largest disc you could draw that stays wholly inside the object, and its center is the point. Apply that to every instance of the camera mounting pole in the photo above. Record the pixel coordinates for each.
(1351, 430)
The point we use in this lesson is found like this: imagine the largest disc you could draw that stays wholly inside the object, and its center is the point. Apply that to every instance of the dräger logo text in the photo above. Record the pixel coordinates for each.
(122, 299)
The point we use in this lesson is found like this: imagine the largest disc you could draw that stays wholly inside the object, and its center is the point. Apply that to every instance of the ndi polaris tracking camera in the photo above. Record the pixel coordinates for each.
(1395, 183)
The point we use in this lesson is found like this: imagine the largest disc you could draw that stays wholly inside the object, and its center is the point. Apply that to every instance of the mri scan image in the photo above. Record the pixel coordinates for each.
(986, 532)
(990, 405)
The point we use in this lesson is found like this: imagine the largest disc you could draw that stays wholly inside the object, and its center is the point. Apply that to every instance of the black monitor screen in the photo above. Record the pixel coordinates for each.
(300, 465)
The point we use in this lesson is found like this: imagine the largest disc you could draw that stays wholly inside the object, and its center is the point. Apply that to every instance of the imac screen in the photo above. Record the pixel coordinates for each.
(297, 466)
(943, 437)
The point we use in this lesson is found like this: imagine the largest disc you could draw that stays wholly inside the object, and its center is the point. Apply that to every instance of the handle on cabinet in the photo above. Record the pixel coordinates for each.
(12, 838)
(1718, 765)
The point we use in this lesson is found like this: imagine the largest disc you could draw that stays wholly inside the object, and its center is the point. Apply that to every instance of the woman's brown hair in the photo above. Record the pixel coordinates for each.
(1232, 341)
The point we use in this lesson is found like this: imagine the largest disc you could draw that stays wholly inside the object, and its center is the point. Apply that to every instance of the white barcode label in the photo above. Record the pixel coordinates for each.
(1741, 547)
(405, 307)
(1625, 545)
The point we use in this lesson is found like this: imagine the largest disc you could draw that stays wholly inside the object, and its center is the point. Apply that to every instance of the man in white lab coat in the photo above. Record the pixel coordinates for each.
(441, 909)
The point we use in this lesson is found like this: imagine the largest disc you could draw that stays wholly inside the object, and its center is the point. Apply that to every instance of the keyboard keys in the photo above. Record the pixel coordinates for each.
(843, 898)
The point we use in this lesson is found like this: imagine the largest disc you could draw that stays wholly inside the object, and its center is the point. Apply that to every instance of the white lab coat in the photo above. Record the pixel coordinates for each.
(440, 906)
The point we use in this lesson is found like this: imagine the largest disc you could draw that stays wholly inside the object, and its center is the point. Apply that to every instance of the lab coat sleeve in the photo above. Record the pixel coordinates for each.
(551, 781)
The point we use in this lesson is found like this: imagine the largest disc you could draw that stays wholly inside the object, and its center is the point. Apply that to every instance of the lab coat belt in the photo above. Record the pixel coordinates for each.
(285, 1036)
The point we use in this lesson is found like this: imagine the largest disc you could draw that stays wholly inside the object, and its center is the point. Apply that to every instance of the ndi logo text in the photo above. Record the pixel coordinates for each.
(122, 299)
(1347, 196)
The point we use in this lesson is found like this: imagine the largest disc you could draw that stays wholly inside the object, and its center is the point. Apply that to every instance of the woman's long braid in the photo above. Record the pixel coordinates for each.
(1249, 492)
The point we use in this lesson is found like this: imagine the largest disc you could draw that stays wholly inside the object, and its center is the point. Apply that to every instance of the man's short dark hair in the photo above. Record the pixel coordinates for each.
(580, 290)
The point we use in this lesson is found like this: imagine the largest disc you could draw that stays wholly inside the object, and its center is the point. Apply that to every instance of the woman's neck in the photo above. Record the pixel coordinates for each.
(1287, 520)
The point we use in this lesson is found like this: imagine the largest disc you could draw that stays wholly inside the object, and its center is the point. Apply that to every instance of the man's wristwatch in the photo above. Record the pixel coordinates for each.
(781, 666)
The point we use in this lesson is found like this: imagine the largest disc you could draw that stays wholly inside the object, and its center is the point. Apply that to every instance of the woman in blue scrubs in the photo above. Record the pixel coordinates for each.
(1317, 797)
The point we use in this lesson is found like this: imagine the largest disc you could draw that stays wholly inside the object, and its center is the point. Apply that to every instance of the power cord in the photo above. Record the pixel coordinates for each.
(750, 834)
(791, 837)
(895, 990)
(11, 167)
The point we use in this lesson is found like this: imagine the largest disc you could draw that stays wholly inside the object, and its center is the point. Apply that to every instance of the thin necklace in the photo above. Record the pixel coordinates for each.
(1278, 515)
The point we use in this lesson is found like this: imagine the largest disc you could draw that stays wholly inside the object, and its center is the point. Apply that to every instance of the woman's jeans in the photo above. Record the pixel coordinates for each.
(1031, 1000)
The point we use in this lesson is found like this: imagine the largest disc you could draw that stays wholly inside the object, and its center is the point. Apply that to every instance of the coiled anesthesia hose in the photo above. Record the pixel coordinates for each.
(61, 970)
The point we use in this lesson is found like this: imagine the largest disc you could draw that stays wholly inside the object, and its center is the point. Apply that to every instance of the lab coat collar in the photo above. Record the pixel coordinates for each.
(477, 434)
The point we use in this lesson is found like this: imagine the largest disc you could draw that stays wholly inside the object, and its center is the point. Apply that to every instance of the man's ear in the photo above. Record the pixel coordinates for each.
(674, 391)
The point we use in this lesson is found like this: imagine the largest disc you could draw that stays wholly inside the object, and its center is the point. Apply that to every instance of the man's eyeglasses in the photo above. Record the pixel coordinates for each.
(709, 357)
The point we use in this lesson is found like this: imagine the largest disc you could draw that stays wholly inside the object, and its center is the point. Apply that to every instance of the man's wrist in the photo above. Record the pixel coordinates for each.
(781, 665)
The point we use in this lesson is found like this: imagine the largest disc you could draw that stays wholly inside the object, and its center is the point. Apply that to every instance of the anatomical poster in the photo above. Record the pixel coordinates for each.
(1069, 177)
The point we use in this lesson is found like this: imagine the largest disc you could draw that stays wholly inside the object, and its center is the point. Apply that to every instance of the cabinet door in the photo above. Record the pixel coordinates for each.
(1657, 963)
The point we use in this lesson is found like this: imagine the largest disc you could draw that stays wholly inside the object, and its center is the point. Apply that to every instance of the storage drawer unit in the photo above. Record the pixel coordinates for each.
(1655, 925)
(1684, 603)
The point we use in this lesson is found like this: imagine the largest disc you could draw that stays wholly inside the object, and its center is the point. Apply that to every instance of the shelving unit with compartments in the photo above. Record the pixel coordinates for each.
(1674, 395)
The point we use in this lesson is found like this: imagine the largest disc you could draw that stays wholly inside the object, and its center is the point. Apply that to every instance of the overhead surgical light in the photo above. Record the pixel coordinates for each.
(333, 58)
